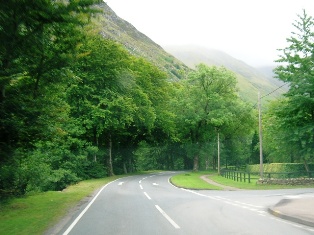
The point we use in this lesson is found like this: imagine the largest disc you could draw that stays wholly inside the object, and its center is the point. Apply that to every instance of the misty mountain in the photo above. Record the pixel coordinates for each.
(267, 70)
(250, 79)
(138, 44)
(177, 61)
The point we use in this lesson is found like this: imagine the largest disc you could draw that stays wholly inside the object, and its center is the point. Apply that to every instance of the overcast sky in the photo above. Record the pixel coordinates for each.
(250, 30)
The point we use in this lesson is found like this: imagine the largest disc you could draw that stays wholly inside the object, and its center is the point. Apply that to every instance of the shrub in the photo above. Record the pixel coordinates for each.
(60, 179)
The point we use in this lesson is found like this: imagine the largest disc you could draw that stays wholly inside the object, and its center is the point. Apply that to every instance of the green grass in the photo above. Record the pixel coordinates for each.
(192, 180)
(34, 214)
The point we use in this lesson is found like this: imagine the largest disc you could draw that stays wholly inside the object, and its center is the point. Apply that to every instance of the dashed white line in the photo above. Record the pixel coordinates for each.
(149, 198)
(141, 186)
(174, 224)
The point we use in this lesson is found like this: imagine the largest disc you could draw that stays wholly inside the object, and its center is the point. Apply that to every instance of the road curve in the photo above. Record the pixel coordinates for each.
(149, 204)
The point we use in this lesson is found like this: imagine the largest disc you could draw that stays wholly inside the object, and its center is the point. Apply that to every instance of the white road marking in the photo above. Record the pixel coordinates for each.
(141, 186)
(84, 211)
(250, 205)
(149, 198)
(155, 184)
(140, 182)
(167, 217)
(199, 194)
(120, 183)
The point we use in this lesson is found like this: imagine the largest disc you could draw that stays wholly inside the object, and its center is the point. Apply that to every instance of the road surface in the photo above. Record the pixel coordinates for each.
(150, 204)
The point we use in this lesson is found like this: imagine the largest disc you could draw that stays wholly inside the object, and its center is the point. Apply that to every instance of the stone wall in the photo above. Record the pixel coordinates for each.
(292, 181)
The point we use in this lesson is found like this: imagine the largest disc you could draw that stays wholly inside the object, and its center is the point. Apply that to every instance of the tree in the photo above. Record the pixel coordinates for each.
(296, 111)
(38, 41)
(208, 105)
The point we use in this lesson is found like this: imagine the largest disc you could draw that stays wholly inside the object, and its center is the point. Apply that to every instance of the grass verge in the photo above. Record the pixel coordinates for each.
(192, 180)
(34, 214)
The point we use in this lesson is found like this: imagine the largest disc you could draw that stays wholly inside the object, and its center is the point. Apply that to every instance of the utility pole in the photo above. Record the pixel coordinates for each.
(260, 136)
(218, 153)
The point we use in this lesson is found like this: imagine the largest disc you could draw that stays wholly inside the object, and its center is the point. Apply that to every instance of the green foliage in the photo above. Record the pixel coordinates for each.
(208, 104)
(60, 179)
(290, 121)
(39, 40)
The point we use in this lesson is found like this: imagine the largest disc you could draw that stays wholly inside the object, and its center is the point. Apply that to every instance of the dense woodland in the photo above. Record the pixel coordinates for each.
(74, 105)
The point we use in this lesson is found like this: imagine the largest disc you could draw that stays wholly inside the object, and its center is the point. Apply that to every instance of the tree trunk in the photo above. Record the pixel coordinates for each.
(214, 163)
(195, 163)
(110, 167)
(95, 142)
(207, 164)
(306, 166)
(124, 168)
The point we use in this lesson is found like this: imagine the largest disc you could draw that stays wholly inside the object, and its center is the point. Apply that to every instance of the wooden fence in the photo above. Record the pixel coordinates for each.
(237, 175)
(244, 176)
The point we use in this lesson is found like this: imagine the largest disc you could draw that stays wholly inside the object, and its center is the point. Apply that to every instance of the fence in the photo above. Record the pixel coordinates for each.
(237, 175)
(244, 176)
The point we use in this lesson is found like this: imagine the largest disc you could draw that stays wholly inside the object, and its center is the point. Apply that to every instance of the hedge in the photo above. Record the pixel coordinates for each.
(280, 167)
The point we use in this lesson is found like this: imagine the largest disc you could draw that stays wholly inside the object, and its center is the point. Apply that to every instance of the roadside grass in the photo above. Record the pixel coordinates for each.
(192, 180)
(34, 214)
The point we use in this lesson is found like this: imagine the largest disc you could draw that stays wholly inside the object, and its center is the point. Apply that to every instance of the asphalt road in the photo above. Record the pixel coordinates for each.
(149, 204)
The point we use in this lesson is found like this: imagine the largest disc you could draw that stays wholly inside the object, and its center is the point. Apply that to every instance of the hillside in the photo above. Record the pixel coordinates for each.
(177, 61)
(250, 80)
(114, 27)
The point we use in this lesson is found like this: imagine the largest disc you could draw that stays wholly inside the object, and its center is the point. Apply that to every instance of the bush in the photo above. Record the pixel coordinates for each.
(95, 170)
(60, 179)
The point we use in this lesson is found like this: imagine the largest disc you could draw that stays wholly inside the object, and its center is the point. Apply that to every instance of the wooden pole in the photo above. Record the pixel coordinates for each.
(260, 135)
(218, 152)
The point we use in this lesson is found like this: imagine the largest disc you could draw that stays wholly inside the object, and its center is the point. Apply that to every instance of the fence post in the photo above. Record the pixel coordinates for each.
(249, 176)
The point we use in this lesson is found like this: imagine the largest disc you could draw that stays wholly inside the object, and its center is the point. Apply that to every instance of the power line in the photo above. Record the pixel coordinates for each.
(254, 106)
(274, 90)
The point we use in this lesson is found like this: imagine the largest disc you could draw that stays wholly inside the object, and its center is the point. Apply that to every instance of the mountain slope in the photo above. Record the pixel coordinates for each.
(250, 80)
(115, 28)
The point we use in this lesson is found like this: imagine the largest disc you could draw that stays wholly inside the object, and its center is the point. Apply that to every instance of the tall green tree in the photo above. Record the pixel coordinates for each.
(38, 41)
(296, 112)
(209, 105)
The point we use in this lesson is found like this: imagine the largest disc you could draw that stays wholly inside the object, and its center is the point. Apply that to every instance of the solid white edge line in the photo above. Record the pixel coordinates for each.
(147, 196)
(86, 208)
(167, 217)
